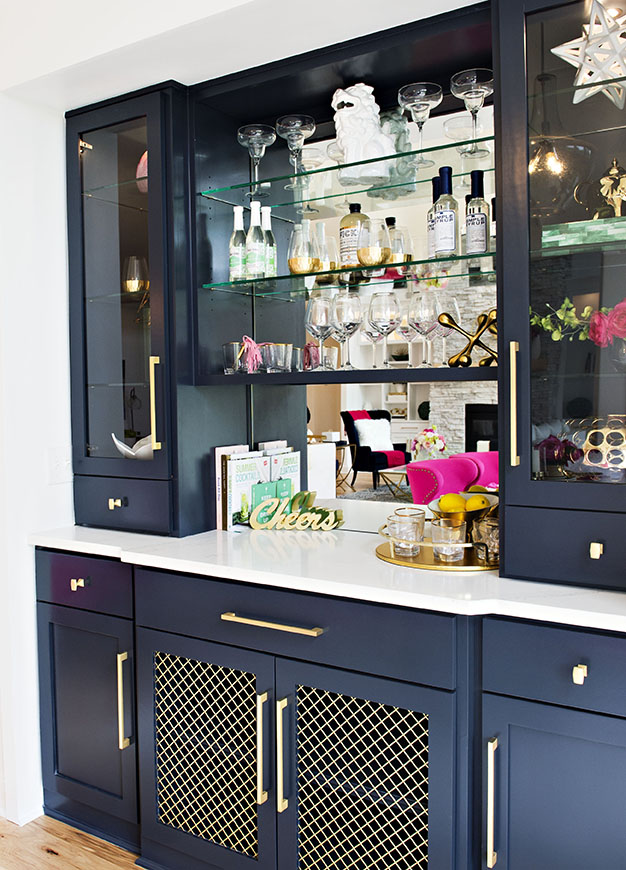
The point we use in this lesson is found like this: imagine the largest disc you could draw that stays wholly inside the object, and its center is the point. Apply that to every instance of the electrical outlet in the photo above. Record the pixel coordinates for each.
(59, 465)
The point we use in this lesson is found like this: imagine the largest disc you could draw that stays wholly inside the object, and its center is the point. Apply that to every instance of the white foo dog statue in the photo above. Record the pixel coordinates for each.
(359, 135)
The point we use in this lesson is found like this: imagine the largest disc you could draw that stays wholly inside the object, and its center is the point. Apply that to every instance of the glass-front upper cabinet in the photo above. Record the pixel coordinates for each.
(118, 271)
(567, 439)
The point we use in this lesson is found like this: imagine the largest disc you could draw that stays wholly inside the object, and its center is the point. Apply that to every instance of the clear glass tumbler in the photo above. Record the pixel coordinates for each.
(447, 536)
(406, 533)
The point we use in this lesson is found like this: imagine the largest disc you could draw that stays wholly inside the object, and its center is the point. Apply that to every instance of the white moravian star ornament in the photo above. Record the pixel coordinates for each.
(599, 55)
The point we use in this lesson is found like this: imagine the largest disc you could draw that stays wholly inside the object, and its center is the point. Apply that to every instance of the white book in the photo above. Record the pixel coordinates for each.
(219, 452)
(246, 482)
(274, 451)
(268, 445)
(286, 468)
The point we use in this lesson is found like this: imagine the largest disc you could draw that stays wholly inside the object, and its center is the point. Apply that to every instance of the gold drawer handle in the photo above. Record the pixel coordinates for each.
(261, 795)
(154, 361)
(122, 741)
(492, 855)
(229, 616)
(281, 801)
(513, 349)
(579, 674)
(596, 549)
(114, 502)
(75, 583)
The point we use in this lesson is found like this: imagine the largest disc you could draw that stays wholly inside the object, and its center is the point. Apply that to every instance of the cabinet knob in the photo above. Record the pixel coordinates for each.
(117, 502)
(579, 674)
(75, 583)
(596, 549)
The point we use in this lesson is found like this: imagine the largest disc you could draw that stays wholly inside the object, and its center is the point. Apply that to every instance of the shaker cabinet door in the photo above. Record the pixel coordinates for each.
(555, 787)
(206, 716)
(364, 771)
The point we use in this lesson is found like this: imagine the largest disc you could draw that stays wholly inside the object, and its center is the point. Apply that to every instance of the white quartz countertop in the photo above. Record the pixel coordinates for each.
(343, 563)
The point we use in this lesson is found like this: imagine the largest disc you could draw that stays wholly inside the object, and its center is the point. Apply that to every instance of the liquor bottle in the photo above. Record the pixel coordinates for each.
(477, 216)
(270, 242)
(446, 217)
(237, 247)
(430, 218)
(349, 235)
(492, 241)
(463, 238)
(255, 243)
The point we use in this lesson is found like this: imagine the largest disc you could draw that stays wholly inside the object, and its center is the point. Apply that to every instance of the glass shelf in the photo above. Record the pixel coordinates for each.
(322, 188)
(124, 194)
(572, 89)
(290, 284)
(364, 377)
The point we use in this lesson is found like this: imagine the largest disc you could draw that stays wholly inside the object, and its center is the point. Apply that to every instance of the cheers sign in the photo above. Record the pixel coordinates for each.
(297, 513)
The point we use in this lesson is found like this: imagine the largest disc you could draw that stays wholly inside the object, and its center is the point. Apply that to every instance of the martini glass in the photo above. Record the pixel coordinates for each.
(420, 98)
(473, 86)
(296, 129)
(256, 138)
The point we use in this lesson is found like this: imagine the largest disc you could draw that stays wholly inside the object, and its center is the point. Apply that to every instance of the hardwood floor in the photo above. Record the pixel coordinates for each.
(46, 843)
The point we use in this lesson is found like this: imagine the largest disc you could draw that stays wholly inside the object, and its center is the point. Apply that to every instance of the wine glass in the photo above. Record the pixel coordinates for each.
(373, 244)
(135, 275)
(420, 98)
(295, 129)
(303, 253)
(401, 246)
(373, 336)
(318, 323)
(256, 138)
(473, 86)
(406, 330)
(384, 316)
(423, 313)
(451, 307)
(347, 312)
(328, 253)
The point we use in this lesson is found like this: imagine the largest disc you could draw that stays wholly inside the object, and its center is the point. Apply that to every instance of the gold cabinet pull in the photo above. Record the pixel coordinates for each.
(261, 795)
(513, 349)
(579, 674)
(154, 361)
(114, 502)
(76, 582)
(281, 801)
(122, 741)
(229, 616)
(596, 549)
(492, 855)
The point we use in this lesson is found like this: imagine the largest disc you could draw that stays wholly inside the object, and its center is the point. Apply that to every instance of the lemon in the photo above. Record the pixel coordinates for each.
(477, 502)
(451, 503)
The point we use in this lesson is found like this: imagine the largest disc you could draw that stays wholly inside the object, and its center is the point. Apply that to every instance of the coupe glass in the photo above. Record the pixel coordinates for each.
(420, 98)
(448, 304)
(473, 86)
(256, 138)
(374, 244)
(373, 336)
(303, 254)
(319, 323)
(384, 316)
(295, 129)
(424, 310)
(347, 312)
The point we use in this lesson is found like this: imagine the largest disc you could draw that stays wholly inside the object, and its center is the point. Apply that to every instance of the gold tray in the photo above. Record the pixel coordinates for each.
(426, 559)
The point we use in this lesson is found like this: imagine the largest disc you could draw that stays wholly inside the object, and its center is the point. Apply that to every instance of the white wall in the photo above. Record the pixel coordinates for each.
(55, 56)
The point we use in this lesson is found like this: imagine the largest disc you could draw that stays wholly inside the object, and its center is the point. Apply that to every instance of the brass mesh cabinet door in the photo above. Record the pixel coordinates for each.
(372, 772)
(205, 744)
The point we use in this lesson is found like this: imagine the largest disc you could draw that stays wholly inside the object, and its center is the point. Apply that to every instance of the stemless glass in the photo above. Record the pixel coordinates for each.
(423, 313)
(295, 129)
(256, 138)
(135, 275)
(420, 98)
(374, 244)
(328, 253)
(373, 336)
(384, 316)
(303, 255)
(347, 312)
(318, 323)
(401, 248)
(473, 86)
(448, 304)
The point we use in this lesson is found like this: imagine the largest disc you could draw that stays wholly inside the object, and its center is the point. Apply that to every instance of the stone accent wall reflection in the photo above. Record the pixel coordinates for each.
(447, 408)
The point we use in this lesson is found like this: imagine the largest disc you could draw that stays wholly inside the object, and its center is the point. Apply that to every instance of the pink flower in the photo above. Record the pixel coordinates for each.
(617, 321)
(599, 329)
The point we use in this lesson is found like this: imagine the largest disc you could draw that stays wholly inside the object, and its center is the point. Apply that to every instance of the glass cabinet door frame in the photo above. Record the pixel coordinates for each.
(152, 107)
(513, 264)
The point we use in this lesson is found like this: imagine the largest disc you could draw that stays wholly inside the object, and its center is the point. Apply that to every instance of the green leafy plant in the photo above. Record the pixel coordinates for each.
(564, 323)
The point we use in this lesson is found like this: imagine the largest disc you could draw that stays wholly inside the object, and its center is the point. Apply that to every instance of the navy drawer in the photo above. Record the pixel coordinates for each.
(394, 642)
(561, 546)
(85, 582)
(123, 503)
(537, 662)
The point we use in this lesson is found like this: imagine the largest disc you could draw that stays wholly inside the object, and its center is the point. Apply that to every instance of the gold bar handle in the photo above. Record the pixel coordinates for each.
(281, 801)
(492, 855)
(77, 582)
(513, 349)
(154, 361)
(261, 795)
(229, 616)
(122, 741)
